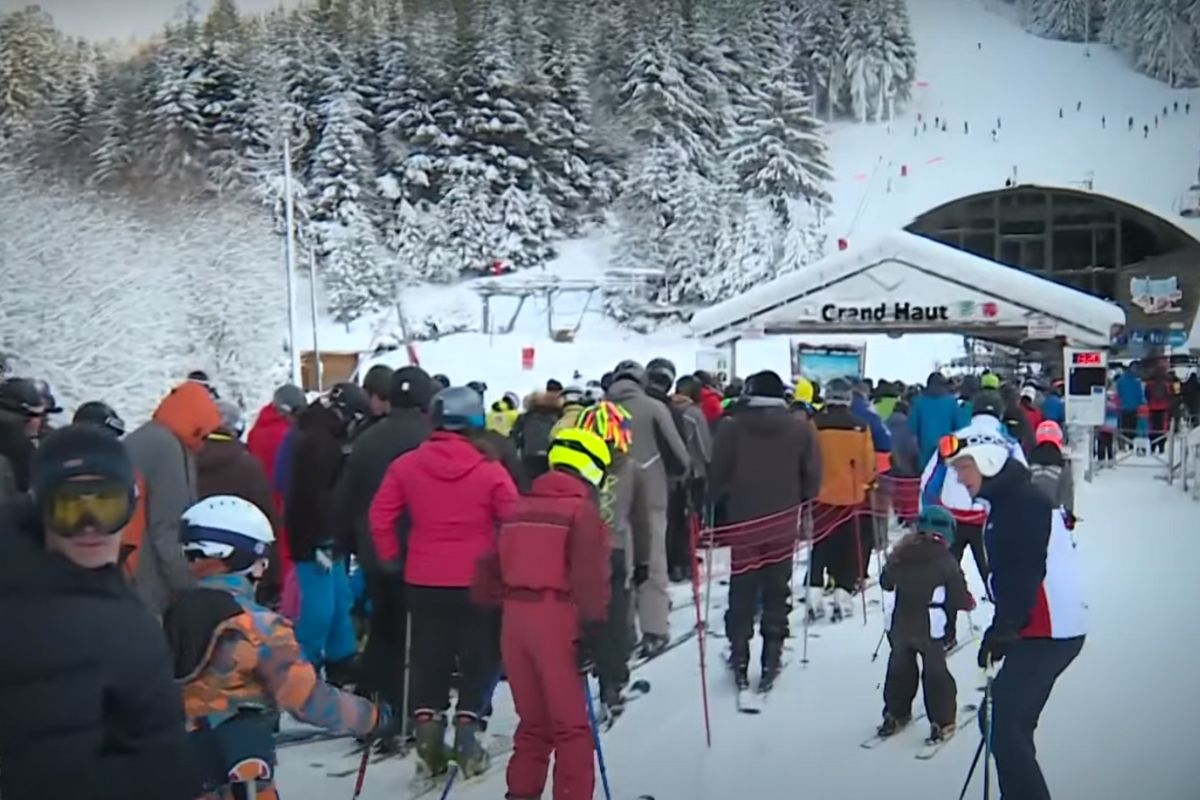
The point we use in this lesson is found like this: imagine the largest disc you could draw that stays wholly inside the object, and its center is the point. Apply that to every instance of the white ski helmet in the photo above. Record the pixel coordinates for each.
(989, 451)
(228, 528)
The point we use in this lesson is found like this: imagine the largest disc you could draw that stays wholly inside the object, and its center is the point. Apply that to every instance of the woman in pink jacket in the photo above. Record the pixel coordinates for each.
(445, 501)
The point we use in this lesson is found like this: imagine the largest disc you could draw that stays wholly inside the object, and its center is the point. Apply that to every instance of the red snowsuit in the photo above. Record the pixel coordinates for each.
(550, 570)
(710, 404)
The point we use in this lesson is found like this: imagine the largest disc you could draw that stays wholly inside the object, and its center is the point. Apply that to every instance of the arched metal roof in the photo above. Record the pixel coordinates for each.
(1180, 236)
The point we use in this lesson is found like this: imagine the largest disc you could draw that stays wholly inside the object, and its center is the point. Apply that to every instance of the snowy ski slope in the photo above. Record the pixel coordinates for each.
(1118, 725)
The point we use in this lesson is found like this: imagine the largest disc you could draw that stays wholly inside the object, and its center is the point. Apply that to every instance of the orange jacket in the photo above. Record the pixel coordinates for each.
(848, 467)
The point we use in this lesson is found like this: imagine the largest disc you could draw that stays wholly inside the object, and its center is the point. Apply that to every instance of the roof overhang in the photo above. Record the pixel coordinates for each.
(905, 283)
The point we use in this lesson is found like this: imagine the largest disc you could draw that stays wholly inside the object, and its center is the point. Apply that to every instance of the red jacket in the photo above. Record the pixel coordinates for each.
(453, 499)
(1033, 414)
(710, 404)
(554, 543)
(263, 443)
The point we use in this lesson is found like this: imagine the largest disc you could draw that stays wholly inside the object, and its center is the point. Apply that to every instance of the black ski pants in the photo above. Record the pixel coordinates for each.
(1128, 425)
(612, 652)
(773, 584)
(682, 500)
(1159, 423)
(449, 632)
(839, 552)
(1019, 693)
(900, 686)
(1104, 446)
(384, 657)
(968, 535)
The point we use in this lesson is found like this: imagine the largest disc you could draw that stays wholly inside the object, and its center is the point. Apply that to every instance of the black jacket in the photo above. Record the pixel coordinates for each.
(311, 509)
(372, 453)
(88, 706)
(918, 566)
(503, 449)
(1017, 537)
(16, 448)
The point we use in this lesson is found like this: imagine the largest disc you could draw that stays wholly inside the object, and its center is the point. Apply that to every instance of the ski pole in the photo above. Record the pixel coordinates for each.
(702, 639)
(709, 514)
(878, 646)
(449, 781)
(404, 726)
(971, 771)
(807, 601)
(591, 709)
(362, 764)
(858, 543)
(987, 737)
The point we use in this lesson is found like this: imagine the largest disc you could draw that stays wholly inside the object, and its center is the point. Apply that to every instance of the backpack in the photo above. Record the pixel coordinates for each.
(133, 532)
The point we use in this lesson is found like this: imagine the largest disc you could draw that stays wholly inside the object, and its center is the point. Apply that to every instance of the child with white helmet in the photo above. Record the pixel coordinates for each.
(239, 662)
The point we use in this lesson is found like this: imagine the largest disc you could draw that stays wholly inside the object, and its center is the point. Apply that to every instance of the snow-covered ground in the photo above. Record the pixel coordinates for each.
(1117, 725)
(976, 66)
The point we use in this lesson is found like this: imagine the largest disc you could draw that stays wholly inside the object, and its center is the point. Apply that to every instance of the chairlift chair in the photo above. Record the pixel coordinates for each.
(1190, 207)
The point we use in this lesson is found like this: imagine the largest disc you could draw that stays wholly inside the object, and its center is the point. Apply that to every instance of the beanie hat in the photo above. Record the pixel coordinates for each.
(77, 451)
(553, 386)
(378, 381)
(766, 384)
(412, 388)
(289, 399)
(990, 381)
(938, 521)
(231, 418)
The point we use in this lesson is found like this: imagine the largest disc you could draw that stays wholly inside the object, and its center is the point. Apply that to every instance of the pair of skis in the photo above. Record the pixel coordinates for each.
(930, 747)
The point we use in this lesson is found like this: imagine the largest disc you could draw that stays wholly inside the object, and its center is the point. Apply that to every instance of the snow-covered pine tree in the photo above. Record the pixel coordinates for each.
(779, 153)
(900, 54)
(342, 186)
(1120, 23)
(471, 223)
(235, 133)
(123, 89)
(864, 54)
(31, 62)
(820, 63)
(71, 120)
(1162, 45)
(1072, 20)
(173, 136)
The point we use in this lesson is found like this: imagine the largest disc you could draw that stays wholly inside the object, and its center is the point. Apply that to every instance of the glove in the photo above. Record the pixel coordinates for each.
(995, 645)
(641, 574)
(388, 725)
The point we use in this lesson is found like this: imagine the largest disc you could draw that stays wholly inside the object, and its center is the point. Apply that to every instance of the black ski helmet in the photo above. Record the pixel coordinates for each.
(22, 396)
(101, 414)
(458, 408)
(442, 380)
(662, 365)
(631, 371)
(479, 387)
(350, 399)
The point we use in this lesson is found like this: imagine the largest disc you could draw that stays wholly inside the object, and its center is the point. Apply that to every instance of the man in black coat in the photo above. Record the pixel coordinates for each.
(318, 535)
(766, 464)
(404, 428)
(21, 414)
(90, 710)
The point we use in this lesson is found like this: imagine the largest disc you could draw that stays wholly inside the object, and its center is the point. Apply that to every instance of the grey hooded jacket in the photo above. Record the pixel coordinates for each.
(652, 424)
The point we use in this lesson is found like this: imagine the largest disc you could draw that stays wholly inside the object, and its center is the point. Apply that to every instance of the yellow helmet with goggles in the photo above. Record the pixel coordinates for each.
(582, 451)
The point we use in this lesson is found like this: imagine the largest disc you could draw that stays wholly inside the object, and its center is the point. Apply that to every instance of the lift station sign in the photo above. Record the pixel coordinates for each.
(885, 312)
(1087, 385)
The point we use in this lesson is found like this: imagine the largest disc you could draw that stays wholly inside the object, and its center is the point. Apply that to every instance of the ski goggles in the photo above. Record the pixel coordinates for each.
(952, 445)
(72, 506)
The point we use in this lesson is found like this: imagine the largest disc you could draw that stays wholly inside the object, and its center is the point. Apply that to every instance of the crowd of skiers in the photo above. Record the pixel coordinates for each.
(532, 539)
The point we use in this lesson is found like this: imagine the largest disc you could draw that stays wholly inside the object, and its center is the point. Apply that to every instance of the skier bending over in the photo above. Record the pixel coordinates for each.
(549, 569)
(930, 589)
(1040, 619)
(239, 662)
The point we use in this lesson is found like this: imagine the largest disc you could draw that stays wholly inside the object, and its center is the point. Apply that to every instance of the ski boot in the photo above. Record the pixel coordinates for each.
(470, 755)
(814, 604)
(342, 673)
(739, 664)
(940, 733)
(891, 725)
(652, 644)
(842, 606)
(430, 733)
(772, 664)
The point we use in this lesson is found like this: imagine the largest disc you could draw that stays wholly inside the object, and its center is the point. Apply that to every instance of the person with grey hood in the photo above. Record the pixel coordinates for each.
(688, 497)
(658, 452)
(164, 452)
(21, 413)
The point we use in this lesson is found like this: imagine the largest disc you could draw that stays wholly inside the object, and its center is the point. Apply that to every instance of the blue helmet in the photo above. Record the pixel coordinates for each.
(458, 408)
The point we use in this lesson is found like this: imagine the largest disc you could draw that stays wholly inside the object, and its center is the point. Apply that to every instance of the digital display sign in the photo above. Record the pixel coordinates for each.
(1088, 358)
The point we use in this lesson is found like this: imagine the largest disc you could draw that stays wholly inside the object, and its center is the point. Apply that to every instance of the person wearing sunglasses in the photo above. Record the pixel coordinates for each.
(1040, 617)
(89, 699)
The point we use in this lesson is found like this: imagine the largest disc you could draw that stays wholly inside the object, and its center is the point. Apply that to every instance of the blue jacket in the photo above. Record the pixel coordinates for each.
(880, 436)
(905, 454)
(1054, 409)
(933, 416)
(1130, 391)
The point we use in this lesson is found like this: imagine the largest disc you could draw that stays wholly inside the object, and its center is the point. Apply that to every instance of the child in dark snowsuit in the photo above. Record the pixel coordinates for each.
(930, 589)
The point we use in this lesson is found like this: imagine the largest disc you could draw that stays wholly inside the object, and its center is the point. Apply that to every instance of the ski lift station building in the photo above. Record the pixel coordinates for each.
(1029, 265)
